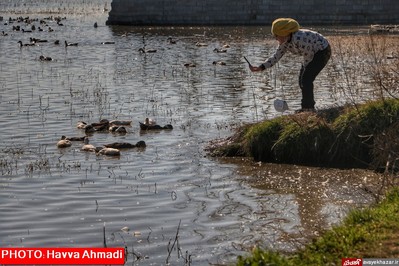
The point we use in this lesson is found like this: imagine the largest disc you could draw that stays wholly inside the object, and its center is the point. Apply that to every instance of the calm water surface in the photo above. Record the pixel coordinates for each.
(64, 197)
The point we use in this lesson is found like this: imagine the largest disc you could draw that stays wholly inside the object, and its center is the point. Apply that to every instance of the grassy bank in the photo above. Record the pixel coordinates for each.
(357, 136)
(369, 233)
(360, 135)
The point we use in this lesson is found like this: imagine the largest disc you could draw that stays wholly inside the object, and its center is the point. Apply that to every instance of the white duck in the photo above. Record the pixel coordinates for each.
(109, 152)
(81, 125)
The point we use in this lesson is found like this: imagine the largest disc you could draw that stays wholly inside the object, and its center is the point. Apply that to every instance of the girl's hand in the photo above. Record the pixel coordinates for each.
(255, 68)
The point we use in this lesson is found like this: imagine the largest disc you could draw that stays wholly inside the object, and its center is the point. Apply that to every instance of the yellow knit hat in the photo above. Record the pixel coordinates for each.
(284, 26)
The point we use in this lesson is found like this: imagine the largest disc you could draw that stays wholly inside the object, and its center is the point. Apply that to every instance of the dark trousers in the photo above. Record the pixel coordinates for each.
(309, 73)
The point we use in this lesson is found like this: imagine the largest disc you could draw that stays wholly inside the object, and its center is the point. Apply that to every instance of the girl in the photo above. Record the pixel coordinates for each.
(314, 48)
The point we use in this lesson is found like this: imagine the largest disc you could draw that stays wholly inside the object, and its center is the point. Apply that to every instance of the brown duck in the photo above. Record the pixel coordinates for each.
(126, 145)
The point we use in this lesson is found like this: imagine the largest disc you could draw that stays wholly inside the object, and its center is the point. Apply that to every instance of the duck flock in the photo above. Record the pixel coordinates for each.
(27, 26)
(22, 25)
(32, 25)
(105, 125)
(50, 24)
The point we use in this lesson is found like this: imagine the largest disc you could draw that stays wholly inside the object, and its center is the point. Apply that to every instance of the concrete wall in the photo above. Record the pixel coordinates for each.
(252, 12)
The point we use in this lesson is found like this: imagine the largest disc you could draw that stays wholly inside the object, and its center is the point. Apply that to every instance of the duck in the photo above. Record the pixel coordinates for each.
(171, 41)
(101, 123)
(35, 40)
(120, 122)
(220, 50)
(109, 152)
(108, 43)
(75, 138)
(45, 58)
(81, 125)
(126, 145)
(201, 44)
(95, 25)
(118, 129)
(149, 121)
(155, 127)
(189, 65)
(112, 128)
(145, 51)
(71, 43)
(121, 130)
(220, 63)
(97, 126)
(100, 126)
(25, 44)
(89, 129)
(89, 147)
(64, 143)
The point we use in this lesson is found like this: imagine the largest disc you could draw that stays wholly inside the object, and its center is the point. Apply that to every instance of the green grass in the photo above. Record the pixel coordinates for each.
(332, 139)
(260, 138)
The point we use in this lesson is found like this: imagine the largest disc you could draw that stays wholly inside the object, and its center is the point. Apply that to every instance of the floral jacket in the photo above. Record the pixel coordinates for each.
(303, 42)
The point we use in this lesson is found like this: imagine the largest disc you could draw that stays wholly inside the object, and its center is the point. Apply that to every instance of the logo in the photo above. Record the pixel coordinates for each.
(352, 261)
